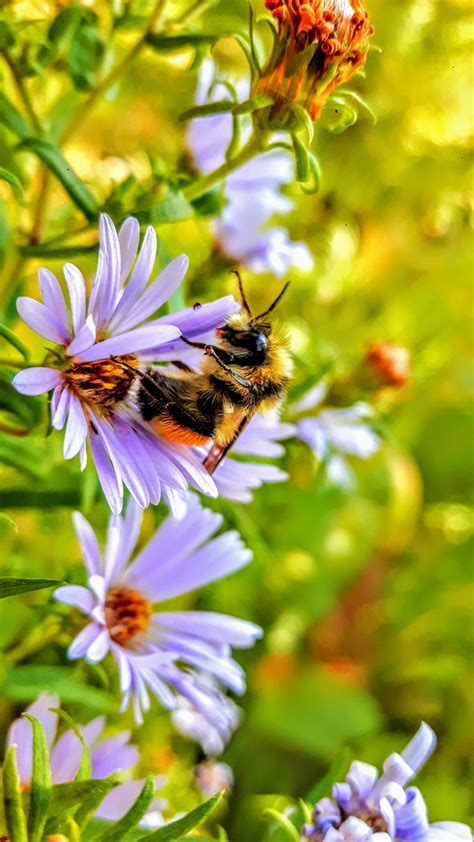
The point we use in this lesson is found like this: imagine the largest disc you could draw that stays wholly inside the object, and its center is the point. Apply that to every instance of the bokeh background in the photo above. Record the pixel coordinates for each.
(365, 597)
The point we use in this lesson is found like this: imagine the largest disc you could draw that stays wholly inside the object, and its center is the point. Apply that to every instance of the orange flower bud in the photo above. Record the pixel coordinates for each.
(389, 363)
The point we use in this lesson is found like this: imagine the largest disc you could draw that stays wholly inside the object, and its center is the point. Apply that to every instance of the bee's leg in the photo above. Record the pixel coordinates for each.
(182, 366)
(242, 381)
(217, 453)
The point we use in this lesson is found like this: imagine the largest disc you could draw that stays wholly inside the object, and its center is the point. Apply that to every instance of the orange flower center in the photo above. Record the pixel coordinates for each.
(102, 382)
(127, 615)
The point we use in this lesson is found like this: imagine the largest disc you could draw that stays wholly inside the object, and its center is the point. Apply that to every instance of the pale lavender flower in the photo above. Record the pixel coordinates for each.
(236, 479)
(191, 721)
(252, 191)
(108, 755)
(369, 808)
(93, 395)
(333, 434)
(212, 776)
(120, 600)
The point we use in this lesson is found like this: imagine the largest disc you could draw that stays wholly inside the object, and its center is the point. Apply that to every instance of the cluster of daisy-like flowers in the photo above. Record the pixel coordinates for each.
(369, 808)
(252, 192)
(322, 44)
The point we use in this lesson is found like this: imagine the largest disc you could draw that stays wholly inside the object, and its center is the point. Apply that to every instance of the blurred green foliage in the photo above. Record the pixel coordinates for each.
(364, 597)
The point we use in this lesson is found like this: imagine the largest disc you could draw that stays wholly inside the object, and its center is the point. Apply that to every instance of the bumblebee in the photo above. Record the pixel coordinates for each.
(245, 372)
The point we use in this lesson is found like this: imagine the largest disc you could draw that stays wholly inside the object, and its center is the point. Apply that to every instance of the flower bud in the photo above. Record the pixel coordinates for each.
(322, 44)
(388, 364)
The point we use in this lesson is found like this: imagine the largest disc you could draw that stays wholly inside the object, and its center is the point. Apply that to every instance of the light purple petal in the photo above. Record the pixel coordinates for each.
(449, 832)
(61, 408)
(42, 320)
(198, 320)
(66, 758)
(411, 820)
(130, 343)
(112, 754)
(99, 647)
(157, 293)
(83, 641)
(84, 338)
(218, 628)
(53, 297)
(20, 733)
(88, 543)
(76, 429)
(75, 595)
(129, 237)
(313, 397)
(36, 381)
(109, 478)
(420, 748)
(77, 295)
(123, 449)
(119, 800)
(312, 432)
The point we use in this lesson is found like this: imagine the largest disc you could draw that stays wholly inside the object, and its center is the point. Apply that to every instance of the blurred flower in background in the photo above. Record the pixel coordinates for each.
(252, 193)
(119, 602)
(369, 807)
(108, 755)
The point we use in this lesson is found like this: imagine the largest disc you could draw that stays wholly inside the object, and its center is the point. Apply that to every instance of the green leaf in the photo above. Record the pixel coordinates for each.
(8, 334)
(283, 821)
(346, 92)
(69, 795)
(173, 831)
(171, 209)
(13, 181)
(61, 252)
(315, 175)
(7, 38)
(305, 122)
(53, 159)
(130, 820)
(13, 806)
(64, 24)
(168, 43)
(85, 54)
(25, 682)
(255, 103)
(40, 781)
(12, 119)
(84, 772)
(94, 798)
(220, 107)
(14, 586)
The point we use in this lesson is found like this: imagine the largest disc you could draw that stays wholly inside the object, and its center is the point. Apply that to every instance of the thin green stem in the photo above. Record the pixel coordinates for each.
(207, 182)
(22, 90)
(113, 74)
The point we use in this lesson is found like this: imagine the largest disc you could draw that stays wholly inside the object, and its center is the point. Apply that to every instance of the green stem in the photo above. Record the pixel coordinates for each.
(204, 184)
(21, 87)
(114, 74)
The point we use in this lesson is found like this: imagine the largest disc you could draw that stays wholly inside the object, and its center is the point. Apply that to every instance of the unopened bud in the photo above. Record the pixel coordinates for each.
(389, 364)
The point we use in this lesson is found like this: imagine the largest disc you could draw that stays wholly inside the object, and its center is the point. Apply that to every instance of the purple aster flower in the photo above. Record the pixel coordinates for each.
(237, 479)
(120, 605)
(252, 191)
(108, 755)
(93, 395)
(192, 721)
(333, 434)
(381, 809)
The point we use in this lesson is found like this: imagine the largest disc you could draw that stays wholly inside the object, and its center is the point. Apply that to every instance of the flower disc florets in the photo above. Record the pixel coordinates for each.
(323, 43)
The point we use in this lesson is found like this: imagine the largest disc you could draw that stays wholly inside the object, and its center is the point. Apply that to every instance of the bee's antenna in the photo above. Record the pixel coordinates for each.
(242, 293)
(277, 301)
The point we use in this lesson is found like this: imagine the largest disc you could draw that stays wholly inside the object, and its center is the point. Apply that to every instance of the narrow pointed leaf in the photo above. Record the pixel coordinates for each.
(176, 829)
(94, 799)
(11, 586)
(12, 119)
(283, 821)
(131, 819)
(13, 339)
(172, 208)
(13, 806)
(168, 43)
(40, 781)
(13, 181)
(84, 772)
(54, 160)
(70, 795)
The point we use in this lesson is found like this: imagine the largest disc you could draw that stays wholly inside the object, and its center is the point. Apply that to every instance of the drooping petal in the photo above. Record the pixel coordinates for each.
(109, 477)
(42, 320)
(60, 409)
(88, 543)
(36, 381)
(208, 625)
(77, 295)
(83, 641)
(99, 647)
(75, 595)
(76, 429)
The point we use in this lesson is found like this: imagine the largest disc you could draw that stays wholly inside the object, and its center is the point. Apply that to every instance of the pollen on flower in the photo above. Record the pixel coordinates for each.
(323, 44)
(102, 382)
(127, 615)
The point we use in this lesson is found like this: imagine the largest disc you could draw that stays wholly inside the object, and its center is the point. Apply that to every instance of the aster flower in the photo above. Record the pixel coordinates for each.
(387, 365)
(108, 755)
(322, 44)
(333, 434)
(252, 192)
(191, 721)
(92, 388)
(368, 807)
(164, 652)
(212, 776)
(235, 478)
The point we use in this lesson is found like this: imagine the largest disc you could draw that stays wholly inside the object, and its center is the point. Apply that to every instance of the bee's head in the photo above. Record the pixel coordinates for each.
(248, 334)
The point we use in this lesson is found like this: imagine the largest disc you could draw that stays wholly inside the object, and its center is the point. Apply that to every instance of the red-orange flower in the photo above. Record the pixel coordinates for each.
(390, 364)
(323, 44)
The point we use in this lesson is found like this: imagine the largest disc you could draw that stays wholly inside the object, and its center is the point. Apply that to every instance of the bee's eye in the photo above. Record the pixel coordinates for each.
(252, 340)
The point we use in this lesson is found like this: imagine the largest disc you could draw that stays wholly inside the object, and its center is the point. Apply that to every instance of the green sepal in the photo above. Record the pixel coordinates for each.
(315, 176)
(304, 122)
(12, 801)
(302, 168)
(176, 829)
(255, 103)
(40, 792)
